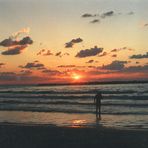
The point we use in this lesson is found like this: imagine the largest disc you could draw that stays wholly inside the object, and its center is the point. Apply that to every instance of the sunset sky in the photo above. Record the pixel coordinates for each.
(62, 41)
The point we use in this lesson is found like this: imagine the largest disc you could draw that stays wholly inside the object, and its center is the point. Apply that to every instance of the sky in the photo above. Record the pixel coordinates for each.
(68, 41)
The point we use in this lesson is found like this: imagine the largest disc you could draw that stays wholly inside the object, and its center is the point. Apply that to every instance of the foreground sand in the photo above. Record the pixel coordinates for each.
(43, 136)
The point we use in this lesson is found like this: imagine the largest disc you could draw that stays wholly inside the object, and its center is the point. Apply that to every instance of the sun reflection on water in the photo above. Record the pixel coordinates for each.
(78, 123)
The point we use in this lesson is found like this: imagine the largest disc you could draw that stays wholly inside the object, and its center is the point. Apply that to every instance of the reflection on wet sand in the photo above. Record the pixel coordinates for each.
(78, 123)
(73, 120)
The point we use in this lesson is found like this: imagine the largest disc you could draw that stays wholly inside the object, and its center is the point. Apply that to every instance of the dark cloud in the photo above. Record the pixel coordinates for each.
(118, 67)
(107, 14)
(88, 15)
(89, 52)
(26, 41)
(90, 61)
(120, 49)
(36, 61)
(130, 13)
(114, 50)
(48, 53)
(14, 51)
(91, 66)
(146, 25)
(45, 53)
(2, 64)
(15, 46)
(78, 40)
(136, 68)
(69, 45)
(72, 42)
(139, 56)
(67, 66)
(115, 65)
(10, 42)
(95, 21)
(58, 54)
(51, 72)
(23, 77)
(114, 55)
(130, 49)
(104, 15)
(33, 65)
(66, 53)
(99, 71)
(41, 51)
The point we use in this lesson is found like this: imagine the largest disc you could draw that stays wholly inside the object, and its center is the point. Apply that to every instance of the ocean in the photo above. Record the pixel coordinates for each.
(123, 105)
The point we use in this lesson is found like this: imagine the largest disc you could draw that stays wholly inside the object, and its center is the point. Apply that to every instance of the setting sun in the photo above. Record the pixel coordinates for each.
(76, 76)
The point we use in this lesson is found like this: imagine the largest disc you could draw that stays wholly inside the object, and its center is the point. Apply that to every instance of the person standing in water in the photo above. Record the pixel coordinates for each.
(97, 101)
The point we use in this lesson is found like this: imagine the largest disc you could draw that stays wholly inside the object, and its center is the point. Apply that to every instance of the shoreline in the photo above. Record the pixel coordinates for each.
(36, 136)
(71, 120)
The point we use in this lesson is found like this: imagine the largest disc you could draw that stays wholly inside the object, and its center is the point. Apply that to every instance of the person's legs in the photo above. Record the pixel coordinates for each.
(99, 111)
(96, 110)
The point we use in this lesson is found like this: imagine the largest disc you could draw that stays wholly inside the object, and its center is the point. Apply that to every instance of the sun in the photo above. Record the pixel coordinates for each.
(76, 76)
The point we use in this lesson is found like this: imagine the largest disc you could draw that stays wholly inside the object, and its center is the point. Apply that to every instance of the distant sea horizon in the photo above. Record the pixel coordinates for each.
(81, 83)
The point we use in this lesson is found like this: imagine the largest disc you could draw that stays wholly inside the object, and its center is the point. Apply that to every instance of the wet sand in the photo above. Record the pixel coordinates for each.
(45, 136)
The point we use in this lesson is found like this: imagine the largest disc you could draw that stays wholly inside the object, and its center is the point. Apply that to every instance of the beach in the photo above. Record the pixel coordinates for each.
(64, 116)
(46, 136)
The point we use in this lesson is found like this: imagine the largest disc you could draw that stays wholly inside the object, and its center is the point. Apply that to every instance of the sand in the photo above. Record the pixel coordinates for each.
(48, 136)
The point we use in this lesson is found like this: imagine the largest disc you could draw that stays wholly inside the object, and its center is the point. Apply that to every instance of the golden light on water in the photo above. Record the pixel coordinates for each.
(78, 123)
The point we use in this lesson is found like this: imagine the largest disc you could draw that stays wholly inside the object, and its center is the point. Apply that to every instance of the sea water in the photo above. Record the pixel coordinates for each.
(123, 105)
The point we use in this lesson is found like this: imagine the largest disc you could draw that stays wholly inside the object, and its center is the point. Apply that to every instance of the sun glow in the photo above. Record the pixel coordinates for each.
(76, 76)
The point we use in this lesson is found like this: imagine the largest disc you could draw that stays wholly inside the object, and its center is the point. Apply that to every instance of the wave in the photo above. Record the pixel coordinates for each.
(71, 111)
(16, 102)
(72, 97)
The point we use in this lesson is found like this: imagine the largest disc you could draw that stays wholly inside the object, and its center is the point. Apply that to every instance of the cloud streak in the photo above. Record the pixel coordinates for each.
(66, 66)
(34, 65)
(14, 51)
(95, 21)
(104, 15)
(108, 14)
(86, 15)
(139, 56)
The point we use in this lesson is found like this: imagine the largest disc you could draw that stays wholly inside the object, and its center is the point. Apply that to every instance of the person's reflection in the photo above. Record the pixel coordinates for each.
(97, 121)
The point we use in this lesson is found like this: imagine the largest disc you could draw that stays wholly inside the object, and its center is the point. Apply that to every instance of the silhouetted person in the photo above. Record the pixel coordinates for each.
(97, 101)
